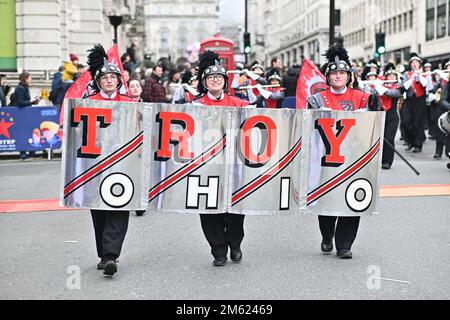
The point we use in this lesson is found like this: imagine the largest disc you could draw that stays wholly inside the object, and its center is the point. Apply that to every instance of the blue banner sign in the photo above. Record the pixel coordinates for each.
(29, 128)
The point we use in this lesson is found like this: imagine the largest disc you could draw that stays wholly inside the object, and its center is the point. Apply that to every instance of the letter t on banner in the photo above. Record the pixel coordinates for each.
(90, 116)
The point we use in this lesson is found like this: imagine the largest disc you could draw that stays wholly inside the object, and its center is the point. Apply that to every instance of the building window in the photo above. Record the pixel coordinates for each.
(441, 18)
(164, 40)
(182, 42)
(411, 19)
(338, 17)
(430, 19)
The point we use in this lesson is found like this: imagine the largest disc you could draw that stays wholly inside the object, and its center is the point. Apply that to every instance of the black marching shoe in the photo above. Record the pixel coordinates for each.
(326, 246)
(409, 147)
(417, 150)
(110, 268)
(236, 255)
(386, 166)
(220, 262)
(101, 265)
(344, 254)
(437, 156)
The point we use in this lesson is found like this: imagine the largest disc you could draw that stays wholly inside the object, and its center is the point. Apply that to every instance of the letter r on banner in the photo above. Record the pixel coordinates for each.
(180, 139)
(332, 142)
(195, 190)
(90, 116)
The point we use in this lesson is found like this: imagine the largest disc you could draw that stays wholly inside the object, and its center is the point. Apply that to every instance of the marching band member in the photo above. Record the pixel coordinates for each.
(135, 89)
(368, 75)
(432, 110)
(374, 67)
(110, 226)
(187, 92)
(259, 71)
(277, 96)
(338, 96)
(255, 77)
(443, 139)
(389, 95)
(414, 109)
(221, 230)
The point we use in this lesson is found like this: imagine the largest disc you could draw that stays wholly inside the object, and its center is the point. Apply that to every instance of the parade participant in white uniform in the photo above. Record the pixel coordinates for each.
(389, 93)
(415, 106)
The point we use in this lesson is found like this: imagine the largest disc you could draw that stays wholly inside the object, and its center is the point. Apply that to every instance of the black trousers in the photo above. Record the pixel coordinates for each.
(344, 231)
(223, 231)
(390, 130)
(110, 229)
(414, 117)
(442, 139)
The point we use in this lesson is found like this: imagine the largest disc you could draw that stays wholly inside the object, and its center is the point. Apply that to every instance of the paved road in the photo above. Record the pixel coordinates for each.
(167, 256)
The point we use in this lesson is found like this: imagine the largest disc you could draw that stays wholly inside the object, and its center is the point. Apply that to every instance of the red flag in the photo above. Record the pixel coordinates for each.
(310, 81)
(81, 88)
(114, 58)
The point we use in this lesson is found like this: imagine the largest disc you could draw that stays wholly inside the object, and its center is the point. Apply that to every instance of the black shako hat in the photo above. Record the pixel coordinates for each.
(99, 65)
(337, 60)
(209, 64)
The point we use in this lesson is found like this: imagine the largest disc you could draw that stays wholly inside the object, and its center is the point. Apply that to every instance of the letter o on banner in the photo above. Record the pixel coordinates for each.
(269, 132)
(355, 204)
(121, 199)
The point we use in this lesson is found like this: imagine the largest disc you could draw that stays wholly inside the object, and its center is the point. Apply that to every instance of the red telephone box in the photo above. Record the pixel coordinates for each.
(223, 47)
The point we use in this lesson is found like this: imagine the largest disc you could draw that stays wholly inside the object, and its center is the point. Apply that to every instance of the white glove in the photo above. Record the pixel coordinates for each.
(360, 110)
(325, 109)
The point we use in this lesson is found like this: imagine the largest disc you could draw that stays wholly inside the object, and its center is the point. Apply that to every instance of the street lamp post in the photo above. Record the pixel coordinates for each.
(246, 28)
(115, 22)
(332, 21)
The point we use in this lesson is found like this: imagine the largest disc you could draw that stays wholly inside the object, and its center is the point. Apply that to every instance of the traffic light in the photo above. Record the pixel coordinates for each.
(247, 45)
(380, 43)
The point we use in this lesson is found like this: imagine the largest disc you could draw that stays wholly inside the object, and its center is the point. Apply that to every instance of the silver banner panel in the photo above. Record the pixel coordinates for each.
(187, 158)
(266, 161)
(102, 155)
(342, 160)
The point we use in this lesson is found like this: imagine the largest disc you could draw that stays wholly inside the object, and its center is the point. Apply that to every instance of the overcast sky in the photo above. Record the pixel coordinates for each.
(232, 12)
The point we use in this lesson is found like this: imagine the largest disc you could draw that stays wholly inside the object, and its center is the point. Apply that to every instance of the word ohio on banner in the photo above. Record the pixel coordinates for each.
(200, 159)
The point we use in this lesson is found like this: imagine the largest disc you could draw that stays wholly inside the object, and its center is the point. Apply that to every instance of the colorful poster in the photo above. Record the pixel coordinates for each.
(29, 129)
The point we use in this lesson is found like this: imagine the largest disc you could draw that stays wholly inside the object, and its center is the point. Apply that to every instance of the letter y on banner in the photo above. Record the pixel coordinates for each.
(341, 162)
